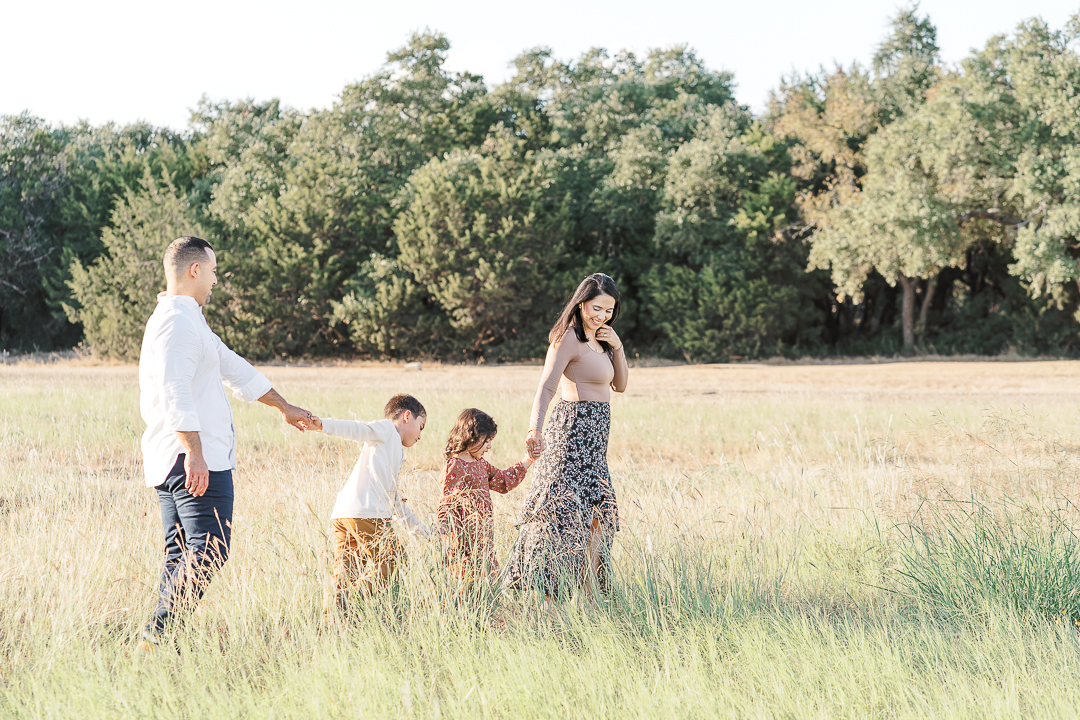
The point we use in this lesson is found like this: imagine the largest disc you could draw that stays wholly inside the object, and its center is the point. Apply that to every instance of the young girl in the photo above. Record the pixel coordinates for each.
(465, 511)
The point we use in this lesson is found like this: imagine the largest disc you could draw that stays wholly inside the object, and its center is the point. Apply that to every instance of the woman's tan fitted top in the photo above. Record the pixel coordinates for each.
(583, 374)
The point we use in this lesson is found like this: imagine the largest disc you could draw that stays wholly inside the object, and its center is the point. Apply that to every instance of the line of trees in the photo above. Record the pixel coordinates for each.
(903, 206)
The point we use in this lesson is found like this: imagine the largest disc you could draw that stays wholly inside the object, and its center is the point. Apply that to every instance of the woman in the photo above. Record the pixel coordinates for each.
(569, 520)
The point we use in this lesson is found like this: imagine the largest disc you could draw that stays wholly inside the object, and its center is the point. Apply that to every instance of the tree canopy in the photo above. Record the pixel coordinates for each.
(908, 204)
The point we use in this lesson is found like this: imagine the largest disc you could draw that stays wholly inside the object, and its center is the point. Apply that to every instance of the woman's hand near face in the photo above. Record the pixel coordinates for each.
(608, 335)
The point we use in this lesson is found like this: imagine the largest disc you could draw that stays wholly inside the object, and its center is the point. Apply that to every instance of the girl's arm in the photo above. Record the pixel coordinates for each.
(503, 481)
(453, 476)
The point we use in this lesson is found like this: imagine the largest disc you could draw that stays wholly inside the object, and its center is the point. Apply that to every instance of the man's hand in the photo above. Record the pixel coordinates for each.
(198, 475)
(296, 416)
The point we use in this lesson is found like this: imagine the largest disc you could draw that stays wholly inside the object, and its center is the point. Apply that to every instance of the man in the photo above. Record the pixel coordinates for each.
(189, 447)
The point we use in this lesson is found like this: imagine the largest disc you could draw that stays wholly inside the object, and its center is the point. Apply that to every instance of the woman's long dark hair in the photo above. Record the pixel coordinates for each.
(590, 287)
(473, 427)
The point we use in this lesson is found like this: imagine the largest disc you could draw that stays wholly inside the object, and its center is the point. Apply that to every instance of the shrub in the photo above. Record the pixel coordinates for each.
(387, 315)
(481, 234)
(979, 557)
(117, 292)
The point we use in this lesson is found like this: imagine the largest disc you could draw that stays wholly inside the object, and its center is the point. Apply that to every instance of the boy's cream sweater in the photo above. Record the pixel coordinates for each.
(372, 488)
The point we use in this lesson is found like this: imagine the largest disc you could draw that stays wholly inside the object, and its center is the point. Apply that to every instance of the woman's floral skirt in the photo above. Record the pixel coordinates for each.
(571, 486)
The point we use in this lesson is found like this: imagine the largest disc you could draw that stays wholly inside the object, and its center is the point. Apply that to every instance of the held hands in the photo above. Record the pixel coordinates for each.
(534, 444)
(606, 334)
(300, 418)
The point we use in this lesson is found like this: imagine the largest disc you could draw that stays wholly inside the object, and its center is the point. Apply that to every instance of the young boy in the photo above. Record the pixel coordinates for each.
(360, 522)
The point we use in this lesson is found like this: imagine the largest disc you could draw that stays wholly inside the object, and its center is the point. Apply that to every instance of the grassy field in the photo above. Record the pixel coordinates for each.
(862, 540)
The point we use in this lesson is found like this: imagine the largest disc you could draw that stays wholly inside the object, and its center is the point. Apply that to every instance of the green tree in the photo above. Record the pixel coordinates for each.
(906, 65)
(1041, 72)
(898, 225)
(114, 295)
(826, 121)
(102, 165)
(986, 158)
(880, 214)
(31, 176)
(612, 122)
(387, 314)
(481, 234)
(734, 285)
(304, 203)
(59, 187)
(424, 214)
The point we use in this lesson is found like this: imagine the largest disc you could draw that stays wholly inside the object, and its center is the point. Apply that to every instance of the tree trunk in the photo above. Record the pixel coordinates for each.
(907, 315)
(931, 286)
(991, 214)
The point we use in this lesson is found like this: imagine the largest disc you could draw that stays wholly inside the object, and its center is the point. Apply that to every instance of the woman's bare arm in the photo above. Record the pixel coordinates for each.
(559, 355)
(622, 370)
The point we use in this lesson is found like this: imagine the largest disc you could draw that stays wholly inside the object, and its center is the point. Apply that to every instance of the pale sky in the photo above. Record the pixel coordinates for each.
(123, 60)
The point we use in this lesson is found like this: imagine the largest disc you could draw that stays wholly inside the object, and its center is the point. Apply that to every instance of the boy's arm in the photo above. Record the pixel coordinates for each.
(351, 430)
(411, 521)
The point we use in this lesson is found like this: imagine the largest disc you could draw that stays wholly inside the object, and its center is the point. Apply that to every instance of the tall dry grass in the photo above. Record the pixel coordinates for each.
(797, 541)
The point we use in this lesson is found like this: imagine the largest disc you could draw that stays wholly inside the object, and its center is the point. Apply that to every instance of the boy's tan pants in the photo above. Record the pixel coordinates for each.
(366, 552)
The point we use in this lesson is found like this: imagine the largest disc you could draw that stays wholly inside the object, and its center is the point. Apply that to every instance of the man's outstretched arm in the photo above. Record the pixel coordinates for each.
(248, 384)
(298, 417)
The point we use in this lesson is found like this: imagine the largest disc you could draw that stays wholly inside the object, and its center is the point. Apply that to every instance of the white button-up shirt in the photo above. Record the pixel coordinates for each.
(372, 488)
(181, 369)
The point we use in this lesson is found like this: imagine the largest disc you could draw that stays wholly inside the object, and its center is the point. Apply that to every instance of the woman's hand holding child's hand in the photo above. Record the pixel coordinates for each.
(532, 455)
(534, 444)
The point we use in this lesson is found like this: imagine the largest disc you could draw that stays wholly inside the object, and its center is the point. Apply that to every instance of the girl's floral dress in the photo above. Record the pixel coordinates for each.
(467, 516)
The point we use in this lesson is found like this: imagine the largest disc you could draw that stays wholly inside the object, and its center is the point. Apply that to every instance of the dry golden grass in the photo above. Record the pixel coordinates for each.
(775, 488)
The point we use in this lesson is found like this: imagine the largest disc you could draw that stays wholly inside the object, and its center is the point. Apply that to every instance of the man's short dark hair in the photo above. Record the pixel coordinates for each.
(184, 251)
(399, 404)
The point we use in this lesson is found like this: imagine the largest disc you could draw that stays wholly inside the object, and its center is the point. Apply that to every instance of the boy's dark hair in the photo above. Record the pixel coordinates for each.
(184, 251)
(472, 427)
(399, 404)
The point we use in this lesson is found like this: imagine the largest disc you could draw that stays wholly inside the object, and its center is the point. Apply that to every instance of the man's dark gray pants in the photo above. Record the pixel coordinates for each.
(197, 535)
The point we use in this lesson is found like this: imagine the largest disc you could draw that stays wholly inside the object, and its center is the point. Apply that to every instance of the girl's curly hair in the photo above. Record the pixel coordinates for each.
(473, 427)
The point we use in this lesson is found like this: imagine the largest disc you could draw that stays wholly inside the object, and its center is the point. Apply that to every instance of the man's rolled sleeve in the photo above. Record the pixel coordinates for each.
(246, 383)
(178, 346)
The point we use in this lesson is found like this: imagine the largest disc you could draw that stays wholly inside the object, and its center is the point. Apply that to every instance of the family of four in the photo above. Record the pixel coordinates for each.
(567, 522)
